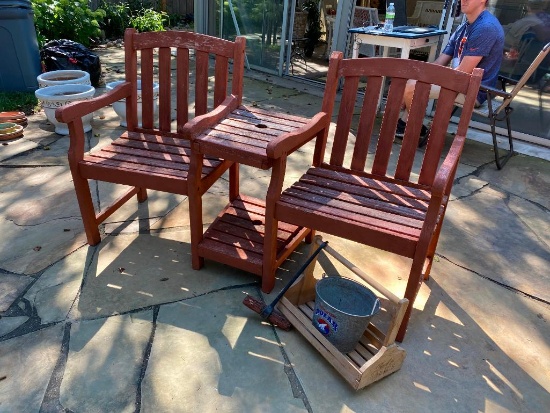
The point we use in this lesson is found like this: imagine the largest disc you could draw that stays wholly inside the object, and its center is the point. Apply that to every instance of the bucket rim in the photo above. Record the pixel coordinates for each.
(376, 306)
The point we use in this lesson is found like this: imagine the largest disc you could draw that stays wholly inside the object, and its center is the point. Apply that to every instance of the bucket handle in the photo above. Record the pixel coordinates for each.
(375, 307)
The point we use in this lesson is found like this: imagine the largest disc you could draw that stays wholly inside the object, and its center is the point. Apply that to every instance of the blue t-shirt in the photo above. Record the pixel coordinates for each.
(484, 37)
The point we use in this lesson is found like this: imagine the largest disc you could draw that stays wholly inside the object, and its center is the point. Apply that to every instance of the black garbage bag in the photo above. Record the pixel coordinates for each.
(68, 55)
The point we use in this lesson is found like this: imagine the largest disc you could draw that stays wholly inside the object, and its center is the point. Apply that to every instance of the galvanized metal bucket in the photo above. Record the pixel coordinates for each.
(343, 310)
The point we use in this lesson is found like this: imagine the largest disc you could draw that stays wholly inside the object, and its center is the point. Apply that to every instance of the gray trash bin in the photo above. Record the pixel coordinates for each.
(20, 56)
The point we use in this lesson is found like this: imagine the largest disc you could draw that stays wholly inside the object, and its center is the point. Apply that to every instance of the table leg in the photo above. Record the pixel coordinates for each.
(355, 48)
(405, 51)
(431, 58)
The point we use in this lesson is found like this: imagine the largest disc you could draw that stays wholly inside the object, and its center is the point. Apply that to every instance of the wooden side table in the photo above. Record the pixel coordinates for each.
(248, 136)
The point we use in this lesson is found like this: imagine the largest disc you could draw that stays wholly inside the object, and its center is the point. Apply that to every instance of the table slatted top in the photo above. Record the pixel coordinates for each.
(244, 134)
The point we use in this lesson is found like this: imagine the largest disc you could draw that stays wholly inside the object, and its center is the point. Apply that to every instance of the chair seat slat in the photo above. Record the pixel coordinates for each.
(356, 204)
(285, 117)
(381, 184)
(331, 219)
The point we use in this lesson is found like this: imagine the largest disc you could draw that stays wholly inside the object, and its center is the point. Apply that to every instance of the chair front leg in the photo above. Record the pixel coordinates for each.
(142, 194)
(501, 160)
(413, 286)
(269, 265)
(195, 208)
(81, 185)
(86, 205)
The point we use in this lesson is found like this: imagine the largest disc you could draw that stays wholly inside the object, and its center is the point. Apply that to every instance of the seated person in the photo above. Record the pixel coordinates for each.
(476, 43)
(535, 24)
(524, 38)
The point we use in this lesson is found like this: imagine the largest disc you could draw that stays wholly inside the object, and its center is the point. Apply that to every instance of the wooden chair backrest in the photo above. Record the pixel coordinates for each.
(169, 58)
(362, 17)
(356, 105)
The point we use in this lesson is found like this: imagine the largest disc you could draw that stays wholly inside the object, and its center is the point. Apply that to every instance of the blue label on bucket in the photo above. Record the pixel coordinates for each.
(325, 322)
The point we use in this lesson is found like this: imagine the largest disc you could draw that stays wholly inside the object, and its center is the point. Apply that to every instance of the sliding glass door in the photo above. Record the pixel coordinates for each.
(261, 22)
(526, 25)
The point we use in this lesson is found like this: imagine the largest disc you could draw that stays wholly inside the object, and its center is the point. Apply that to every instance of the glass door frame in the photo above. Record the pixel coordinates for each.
(212, 18)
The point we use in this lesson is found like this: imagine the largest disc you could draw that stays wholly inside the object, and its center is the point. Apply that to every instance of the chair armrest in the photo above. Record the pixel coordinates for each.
(447, 169)
(495, 92)
(289, 142)
(199, 124)
(442, 184)
(81, 108)
(507, 80)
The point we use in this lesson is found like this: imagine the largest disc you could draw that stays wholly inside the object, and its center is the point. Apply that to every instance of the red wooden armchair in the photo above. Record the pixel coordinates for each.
(374, 198)
(155, 156)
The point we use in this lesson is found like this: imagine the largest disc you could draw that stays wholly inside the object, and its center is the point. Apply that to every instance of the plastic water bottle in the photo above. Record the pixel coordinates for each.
(390, 15)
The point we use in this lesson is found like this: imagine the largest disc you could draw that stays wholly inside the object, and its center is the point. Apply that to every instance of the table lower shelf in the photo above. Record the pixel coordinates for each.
(236, 236)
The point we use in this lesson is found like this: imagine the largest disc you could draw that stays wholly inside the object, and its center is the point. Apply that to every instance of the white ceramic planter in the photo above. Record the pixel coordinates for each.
(120, 106)
(53, 97)
(63, 77)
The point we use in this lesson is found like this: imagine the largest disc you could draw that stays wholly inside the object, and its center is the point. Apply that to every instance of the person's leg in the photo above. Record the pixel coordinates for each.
(407, 100)
(408, 96)
(460, 99)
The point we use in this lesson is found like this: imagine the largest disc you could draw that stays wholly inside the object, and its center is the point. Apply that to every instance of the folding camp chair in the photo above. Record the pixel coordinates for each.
(498, 105)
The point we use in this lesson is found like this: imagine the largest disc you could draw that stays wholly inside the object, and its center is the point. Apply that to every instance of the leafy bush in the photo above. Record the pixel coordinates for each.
(178, 20)
(134, 13)
(149, 20)
(66, 19)
(117, 18)
(74, 20)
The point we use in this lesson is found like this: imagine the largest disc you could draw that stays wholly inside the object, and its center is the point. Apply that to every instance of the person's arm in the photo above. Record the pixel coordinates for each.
(443, 60)
(469, 63)
(542, 32)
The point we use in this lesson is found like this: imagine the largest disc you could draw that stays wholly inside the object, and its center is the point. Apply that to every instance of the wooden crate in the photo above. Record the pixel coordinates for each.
(376, 355)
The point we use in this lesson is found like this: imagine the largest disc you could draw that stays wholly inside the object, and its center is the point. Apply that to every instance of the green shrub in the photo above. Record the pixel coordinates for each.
(134, 13)
(149, 20)
(116, 20)
(66, 19)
